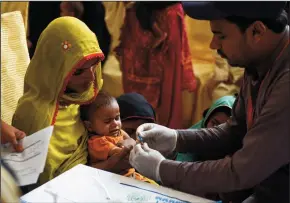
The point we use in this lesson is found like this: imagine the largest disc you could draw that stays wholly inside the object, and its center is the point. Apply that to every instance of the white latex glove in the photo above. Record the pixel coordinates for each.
(158, 137)
(146, 161)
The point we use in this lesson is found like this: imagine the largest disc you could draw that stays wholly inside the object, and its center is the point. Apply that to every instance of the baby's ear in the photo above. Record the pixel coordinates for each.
(88, 125)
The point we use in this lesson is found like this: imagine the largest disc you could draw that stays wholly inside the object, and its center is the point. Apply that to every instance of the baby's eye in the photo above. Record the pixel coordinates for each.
(107, 121)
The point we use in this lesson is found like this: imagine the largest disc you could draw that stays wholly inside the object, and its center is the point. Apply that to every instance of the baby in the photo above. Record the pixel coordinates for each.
(105, 144)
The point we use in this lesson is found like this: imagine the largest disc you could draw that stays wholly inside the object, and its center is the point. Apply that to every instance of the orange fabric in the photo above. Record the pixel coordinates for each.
(159, 74)
(100, 146)
(133, 174)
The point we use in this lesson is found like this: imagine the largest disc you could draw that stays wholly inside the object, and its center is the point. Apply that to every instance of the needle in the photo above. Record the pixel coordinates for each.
(140, 139)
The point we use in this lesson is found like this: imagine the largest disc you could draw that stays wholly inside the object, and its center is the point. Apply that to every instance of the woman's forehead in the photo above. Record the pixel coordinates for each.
(89, 63)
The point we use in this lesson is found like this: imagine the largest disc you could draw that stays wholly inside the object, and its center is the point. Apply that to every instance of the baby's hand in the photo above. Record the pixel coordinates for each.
(118, 162)
(128, 143)
(115, 150)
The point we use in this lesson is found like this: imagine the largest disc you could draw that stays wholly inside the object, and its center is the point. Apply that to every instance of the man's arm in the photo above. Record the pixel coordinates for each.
(223, 139)
(265, 150)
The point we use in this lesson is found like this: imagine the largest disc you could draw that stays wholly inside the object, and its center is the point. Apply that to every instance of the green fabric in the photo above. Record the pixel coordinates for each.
(185, 157)
(45, 81)
(226, 101)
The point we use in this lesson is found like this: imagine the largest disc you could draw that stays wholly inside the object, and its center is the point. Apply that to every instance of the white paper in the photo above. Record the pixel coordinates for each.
(28, 164)
(86, 184)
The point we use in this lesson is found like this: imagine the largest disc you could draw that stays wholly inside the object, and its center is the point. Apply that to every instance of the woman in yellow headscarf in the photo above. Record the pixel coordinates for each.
(64, 73)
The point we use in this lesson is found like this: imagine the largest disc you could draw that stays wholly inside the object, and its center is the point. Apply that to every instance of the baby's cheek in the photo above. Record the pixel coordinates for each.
(119, 124)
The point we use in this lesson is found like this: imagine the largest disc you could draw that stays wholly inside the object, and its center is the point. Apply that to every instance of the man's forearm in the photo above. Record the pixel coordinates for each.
(222, 139)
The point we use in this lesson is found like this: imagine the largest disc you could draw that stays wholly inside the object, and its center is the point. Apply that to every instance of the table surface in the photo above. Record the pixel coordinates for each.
(86, 184)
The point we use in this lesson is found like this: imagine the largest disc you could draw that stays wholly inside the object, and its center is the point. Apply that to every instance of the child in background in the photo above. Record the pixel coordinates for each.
(219, 112)
(135, 111)
(103, 123)
(72, 8)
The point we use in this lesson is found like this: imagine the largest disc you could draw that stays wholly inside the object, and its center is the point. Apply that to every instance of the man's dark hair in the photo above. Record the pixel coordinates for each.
(276, 25)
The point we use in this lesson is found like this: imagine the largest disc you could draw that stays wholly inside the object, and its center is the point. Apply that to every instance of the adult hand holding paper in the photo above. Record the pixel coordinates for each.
(10, 134)
(28, 164)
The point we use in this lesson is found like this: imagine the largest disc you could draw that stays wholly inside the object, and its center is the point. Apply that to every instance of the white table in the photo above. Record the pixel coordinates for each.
(86, 184)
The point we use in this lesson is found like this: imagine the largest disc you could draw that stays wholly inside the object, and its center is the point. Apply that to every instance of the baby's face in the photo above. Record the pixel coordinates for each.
(106, 120)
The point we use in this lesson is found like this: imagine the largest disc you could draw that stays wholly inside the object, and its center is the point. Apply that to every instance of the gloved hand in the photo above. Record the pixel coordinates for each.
(158, 137)
(146, 161)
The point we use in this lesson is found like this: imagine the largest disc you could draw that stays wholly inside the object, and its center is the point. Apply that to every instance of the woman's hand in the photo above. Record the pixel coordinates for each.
(10, 134)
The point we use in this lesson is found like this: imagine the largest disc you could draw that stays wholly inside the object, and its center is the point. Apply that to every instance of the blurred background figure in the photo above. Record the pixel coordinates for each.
(160, 73)
(72, 8)
(10, 192)
(90, 12)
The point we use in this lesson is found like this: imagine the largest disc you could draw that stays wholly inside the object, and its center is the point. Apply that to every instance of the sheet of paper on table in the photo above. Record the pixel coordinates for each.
(86, 184)
(28, 164)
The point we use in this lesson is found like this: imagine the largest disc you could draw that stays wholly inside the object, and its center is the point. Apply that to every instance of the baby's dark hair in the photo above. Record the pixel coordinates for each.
(102, 99)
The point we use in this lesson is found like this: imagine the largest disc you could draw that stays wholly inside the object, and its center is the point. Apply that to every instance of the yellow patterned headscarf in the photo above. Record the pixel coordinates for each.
(65, 45)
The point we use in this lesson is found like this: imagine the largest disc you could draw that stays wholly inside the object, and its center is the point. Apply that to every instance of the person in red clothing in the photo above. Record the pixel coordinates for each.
(162, 67)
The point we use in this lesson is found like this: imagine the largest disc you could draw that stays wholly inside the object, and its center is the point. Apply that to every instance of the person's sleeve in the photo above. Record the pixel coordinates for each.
(220, 140)
(99, 148)
(265, 150)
